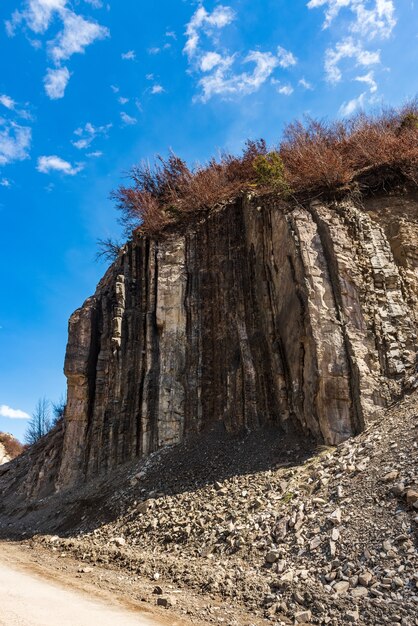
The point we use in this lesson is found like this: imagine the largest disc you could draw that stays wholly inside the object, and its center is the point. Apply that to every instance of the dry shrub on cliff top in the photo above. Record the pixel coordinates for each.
(170, 191)
(12, 446)
(314, 157)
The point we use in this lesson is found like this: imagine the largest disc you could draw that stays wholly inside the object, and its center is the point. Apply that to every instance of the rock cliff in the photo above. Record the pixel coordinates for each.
(300, 319)
(262, 313)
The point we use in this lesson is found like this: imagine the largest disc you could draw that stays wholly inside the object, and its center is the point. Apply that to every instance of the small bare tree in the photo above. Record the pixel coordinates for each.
(58, 410)
(40, 422)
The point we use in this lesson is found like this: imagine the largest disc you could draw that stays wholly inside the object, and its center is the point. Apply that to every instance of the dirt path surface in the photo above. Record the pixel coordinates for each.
(27, 600)
(42, 589)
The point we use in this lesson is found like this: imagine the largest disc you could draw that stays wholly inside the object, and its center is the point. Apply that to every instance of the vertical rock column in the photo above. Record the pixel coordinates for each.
(79, 368)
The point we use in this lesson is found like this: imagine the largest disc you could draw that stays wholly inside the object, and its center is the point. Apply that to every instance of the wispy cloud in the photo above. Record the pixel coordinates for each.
(157, 89)
(123, 101)
(377, 21)
(348, 108)
(205, 22)
(97, 4)
(76, 35)
(95, 155)
(7, 102)
(348, 49)
(15, 141)
(53, 163)
(128, 56)
(5, 182)
(285, 58)
(88, 133)
(127, 119)
(305, 84)
(368, 79)
(224, 82)
(361, 23)
(286, 90)
(225, 73)
(14, 414)
(56, 81)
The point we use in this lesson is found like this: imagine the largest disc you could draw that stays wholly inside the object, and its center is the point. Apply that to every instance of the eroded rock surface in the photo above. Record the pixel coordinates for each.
(261, 314)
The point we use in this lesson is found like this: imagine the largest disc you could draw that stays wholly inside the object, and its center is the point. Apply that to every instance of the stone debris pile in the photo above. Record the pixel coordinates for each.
(332, 540)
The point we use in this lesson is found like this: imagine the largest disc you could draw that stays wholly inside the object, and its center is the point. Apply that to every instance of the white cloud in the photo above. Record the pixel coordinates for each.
(366, 20)
(78, 33)
(97, 4)
(347, 49)
(171, 33)
(5, 182)
(348, 108)
(56, 81)
(368, 79)
(210, 60)
(220, 76)
(7, 102)
(88, 134)
(305, 84)
(37, 14)
(15, 142)
(128, 56)
(123, 100)
(377, 21)
(14, 414)
(157, 89)
(223, 82)
(127, 119)
(220, 17)
(286, 90)
(95, 155)
(53, 163)
(286, 58)
(114, 88)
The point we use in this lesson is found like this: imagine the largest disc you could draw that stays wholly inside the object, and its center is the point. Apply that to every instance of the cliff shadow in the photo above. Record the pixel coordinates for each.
(211, 457)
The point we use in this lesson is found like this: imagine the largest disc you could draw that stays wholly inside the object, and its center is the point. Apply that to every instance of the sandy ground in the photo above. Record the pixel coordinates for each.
(35, 591)
(27, 600)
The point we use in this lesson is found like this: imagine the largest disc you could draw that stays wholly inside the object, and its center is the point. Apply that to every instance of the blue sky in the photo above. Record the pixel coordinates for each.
(89, 87)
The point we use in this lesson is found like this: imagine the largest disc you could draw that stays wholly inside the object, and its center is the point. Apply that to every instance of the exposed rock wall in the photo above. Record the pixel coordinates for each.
(262, 313)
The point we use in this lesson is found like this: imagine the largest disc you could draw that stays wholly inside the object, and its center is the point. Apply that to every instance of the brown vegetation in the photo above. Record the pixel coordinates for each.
(12, 446)
(313, 158)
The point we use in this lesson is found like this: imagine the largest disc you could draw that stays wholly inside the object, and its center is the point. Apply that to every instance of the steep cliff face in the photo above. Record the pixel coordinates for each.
(262, 313)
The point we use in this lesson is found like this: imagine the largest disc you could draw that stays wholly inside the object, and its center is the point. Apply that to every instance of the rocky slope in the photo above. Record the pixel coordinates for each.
(254, 530)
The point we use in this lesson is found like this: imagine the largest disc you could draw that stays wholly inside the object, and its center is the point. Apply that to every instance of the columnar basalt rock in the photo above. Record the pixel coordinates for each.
(262, 313)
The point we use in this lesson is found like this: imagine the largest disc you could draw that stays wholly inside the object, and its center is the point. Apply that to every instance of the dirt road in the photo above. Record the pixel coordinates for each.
(28, 600)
